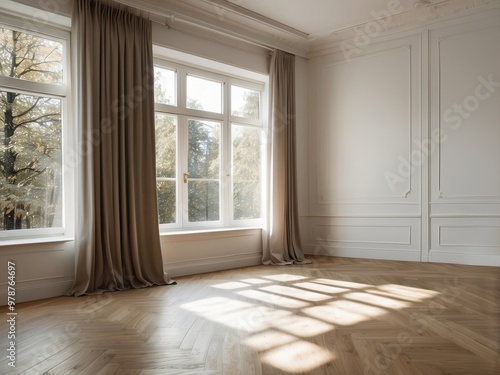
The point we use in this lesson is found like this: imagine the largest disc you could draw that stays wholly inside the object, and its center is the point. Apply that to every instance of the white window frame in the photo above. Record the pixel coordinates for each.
(66, 231)
(184, 114)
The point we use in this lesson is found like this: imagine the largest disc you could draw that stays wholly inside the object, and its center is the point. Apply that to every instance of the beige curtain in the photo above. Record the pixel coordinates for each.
(118, 239)
(282, 243)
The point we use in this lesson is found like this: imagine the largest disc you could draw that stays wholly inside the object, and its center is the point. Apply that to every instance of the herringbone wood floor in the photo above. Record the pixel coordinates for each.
(335, 316)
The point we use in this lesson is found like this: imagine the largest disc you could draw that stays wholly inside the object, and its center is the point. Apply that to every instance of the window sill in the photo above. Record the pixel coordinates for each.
(34, 241)
(181, 232)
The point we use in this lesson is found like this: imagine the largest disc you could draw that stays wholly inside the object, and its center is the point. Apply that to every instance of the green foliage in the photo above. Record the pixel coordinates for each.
(166, 149)
(203, 170)
(246, 172)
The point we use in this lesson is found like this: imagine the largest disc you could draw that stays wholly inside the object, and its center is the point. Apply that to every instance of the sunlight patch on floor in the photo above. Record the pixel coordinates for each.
(406, 292)
(269, 339)
(344, 313)
(321, 288)
(255, 281)
(292, 292)
(298, 357)
(235, 314)
(285, 277)
(273, 299)
(376, 300)
(231, 286)
(343, 284)
(215, 305)
(303, 326)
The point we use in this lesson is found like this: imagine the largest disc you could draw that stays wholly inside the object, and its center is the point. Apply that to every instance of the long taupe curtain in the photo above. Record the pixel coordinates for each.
(282, 244)
(118, 240)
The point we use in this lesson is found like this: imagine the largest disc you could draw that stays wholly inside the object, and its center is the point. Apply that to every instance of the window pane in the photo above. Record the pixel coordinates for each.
(30, 58)
(165, 86)
(203, 170)
(245, 102)
(30, 180)
(246, 161)
(204, 145)
(203, 200)
(166, 201)
(166, 145)
(166, 163)
(204, 94)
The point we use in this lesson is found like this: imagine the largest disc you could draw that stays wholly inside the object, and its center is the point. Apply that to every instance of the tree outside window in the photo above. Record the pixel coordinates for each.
(30, 155)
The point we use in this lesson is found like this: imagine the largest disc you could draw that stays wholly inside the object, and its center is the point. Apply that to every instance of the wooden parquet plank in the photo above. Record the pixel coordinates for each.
(335, 316)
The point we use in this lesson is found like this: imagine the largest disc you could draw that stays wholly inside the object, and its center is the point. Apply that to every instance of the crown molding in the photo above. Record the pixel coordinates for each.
(421, 17)
(206, 17)
(223, 6)
(219, 18)
(227, 22)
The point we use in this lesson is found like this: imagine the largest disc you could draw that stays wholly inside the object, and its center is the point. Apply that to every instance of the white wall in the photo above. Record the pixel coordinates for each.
(465, 168)
(187, 254)
(42, 270)
(377, 163)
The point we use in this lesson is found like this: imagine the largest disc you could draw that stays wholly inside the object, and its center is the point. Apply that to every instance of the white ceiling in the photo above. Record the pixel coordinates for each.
(301, 27)
(319, 17)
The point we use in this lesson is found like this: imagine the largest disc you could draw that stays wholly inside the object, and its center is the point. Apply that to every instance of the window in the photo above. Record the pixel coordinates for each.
(32, 110)
(208, 148)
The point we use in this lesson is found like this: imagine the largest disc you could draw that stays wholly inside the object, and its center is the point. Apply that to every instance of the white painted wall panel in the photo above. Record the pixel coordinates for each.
(376, 238)
(365, 234)
(191, 253)
(365, 130)
(42, 270)
(469, 94)
(365, 127)
(443, 93)
(469, 236)
(465, 177)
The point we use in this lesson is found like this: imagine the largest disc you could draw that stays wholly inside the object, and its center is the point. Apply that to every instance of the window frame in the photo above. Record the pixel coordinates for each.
(226, 119)
(47, 90)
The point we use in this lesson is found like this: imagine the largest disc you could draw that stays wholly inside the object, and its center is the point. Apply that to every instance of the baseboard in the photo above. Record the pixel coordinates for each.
(363, 253)
(37, 289)
(192, 267)
(464, 258)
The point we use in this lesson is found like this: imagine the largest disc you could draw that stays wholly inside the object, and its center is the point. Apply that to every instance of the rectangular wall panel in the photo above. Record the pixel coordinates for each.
(365, 129)
(359, 137)
(377, 238)
(405, 147)
(467, 97)
(465, 173)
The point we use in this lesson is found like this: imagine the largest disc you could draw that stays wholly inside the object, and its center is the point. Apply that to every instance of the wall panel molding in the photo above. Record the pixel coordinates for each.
(465, 110)
(38, 289)
(333, 127)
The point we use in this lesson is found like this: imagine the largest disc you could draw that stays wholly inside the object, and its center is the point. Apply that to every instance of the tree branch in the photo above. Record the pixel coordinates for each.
(36, 120)
(31, 177)
(29, 109)
(30, 69)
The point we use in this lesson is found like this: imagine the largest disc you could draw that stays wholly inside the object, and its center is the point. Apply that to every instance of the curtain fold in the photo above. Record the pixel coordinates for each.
(282, 243)
(117, 235)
